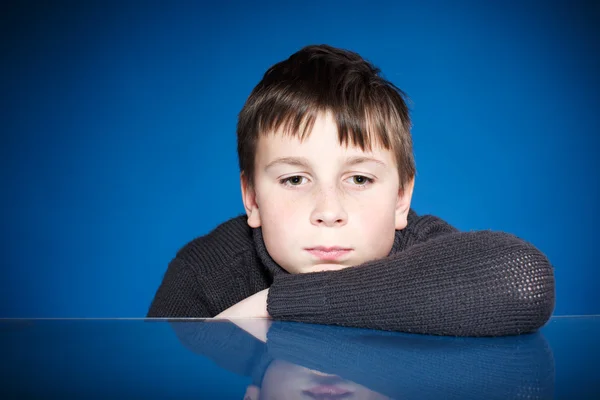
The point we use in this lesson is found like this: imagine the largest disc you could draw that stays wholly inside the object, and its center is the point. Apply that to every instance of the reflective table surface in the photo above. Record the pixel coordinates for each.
(261, 359)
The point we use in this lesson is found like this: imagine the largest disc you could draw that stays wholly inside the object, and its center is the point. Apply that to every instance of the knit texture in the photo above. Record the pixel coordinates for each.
(436, 280)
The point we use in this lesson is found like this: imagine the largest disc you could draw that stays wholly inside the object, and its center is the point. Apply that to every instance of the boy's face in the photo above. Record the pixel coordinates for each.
(284, 380)
(324, 206)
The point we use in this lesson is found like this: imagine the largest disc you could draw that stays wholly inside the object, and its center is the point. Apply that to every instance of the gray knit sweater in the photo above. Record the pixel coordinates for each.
(436, 280)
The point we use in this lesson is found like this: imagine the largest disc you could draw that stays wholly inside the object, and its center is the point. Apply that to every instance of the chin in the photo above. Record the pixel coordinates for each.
(327, 267)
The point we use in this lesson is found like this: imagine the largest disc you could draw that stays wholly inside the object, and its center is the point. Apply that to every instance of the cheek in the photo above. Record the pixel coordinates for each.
(378, 224)
(377, 209)
(279, 210)
(282, 379)
(280, 219)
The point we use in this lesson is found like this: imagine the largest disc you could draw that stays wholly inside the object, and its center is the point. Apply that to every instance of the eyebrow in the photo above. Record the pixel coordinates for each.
(303, 162)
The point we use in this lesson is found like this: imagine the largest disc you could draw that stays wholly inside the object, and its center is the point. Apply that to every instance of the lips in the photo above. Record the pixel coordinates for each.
(329, 253)
(327, 392)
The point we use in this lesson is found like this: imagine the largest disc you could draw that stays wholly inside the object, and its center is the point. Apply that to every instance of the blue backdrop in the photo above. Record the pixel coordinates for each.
(118, 131)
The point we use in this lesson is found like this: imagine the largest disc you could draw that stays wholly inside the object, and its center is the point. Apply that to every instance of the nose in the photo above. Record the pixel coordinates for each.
(328, 210)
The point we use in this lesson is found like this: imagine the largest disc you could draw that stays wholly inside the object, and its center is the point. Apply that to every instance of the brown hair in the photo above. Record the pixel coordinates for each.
(292, 93)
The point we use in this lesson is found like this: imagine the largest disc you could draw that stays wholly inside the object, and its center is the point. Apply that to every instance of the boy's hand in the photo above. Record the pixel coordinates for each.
(254, 306)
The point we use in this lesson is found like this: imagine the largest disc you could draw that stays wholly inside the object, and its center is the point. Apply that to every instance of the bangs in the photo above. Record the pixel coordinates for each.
(370, 121)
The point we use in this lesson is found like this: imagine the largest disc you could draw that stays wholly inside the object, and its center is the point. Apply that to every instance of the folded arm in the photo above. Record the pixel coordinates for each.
(462, 283)
(179, 295)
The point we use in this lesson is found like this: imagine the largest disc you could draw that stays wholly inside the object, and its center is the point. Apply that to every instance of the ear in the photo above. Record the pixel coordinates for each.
(252, 393)
(403, 204)
(249, 199)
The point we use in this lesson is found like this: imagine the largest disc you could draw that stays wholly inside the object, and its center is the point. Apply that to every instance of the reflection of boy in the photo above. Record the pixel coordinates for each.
(327, 176)
(299, 359)
(286, 381)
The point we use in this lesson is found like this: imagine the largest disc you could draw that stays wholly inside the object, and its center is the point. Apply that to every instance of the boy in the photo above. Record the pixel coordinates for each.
(327, 176)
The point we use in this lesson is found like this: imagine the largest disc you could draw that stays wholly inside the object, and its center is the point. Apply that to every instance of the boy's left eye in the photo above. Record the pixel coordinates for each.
(361, 180)
(292, 181)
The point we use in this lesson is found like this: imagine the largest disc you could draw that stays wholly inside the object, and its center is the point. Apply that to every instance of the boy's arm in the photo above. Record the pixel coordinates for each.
(460, 283)
(179, 295)
(209, 274)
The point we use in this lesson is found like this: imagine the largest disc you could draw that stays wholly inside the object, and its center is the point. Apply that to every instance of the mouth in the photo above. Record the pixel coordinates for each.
(327, 387)
(329, 253)
(327, 392)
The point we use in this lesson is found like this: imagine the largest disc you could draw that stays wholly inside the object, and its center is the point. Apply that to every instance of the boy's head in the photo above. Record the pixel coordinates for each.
(326, 160)
(284, 380)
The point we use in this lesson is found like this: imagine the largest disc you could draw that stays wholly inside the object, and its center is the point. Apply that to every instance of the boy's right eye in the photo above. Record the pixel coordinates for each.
(292, 180)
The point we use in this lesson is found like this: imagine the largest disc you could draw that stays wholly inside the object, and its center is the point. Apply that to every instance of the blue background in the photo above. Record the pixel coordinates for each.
(118, 131)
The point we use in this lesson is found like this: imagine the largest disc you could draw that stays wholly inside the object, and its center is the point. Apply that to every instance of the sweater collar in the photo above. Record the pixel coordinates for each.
(274, 268)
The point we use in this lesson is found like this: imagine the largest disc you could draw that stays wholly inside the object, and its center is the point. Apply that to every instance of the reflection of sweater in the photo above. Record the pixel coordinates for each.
(436, 280)
(397, 365)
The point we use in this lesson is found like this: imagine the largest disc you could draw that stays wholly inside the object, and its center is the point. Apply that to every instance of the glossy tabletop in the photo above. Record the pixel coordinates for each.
(259, 359)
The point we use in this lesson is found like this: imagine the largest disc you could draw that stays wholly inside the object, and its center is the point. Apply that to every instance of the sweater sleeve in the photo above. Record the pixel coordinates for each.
(179, 295)
(458, 283)
(209, 274)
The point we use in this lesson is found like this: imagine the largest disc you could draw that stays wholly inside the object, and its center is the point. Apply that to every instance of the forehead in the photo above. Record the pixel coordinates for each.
(322, 143)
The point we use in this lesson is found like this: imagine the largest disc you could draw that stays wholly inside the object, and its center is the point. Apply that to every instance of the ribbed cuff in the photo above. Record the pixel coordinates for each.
(297, 297)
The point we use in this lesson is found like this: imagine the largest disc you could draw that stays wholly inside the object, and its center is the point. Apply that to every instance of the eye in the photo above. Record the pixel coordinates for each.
(361, 180)
(295, 180)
